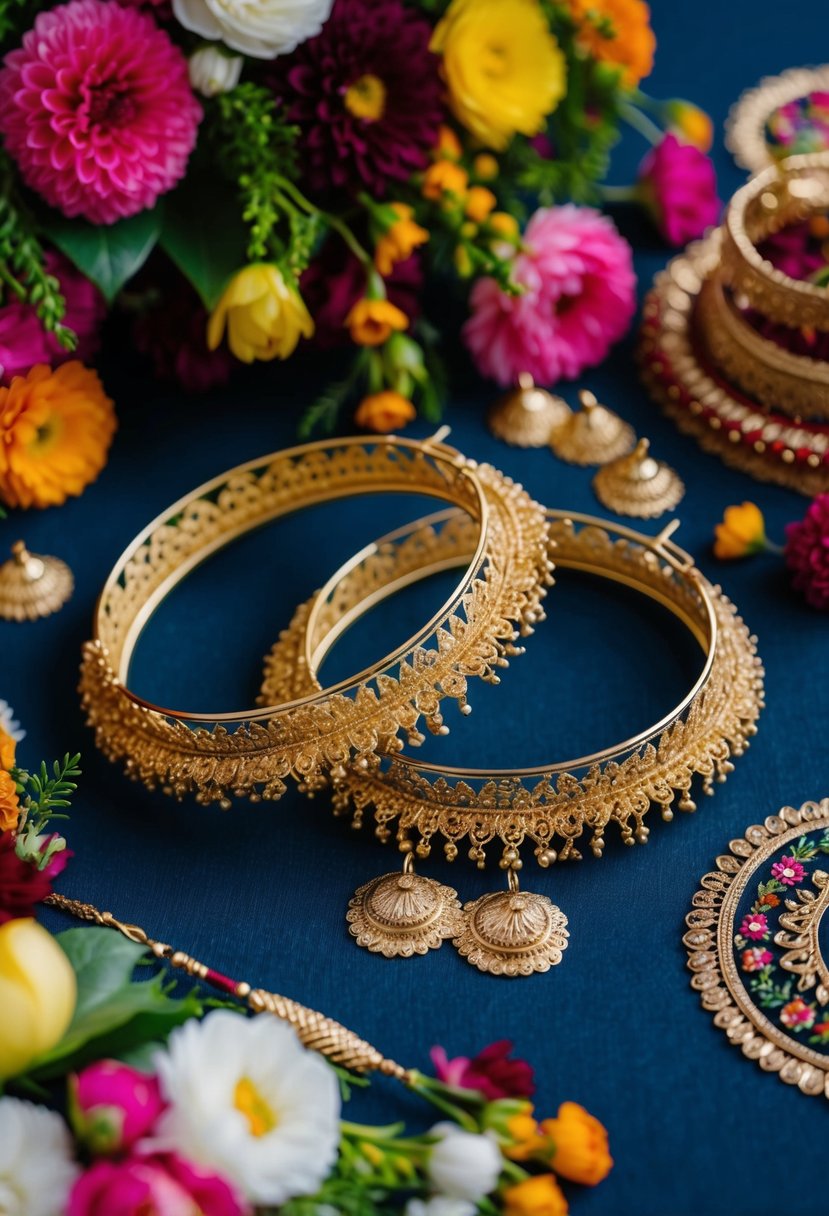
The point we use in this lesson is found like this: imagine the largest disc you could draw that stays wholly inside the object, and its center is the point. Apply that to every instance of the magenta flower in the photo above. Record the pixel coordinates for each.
(112, 1106)
(807, 553)
(366, 95)
(797, 1013)
(24, 341)
(678, 185)
(755, 926)
(491, 1072)
(141, 1185)
(97, 110)
(579, 297)
(756, 958)
(789, 871)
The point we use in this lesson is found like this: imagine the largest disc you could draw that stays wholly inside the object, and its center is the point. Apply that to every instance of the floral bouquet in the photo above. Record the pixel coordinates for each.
(245, 176)
(126, 1097)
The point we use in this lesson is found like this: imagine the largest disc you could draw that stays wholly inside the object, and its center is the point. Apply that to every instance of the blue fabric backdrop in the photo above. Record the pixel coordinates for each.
(261, 892)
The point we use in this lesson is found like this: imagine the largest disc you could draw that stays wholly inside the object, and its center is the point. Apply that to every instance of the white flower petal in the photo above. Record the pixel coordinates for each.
(36, 1167)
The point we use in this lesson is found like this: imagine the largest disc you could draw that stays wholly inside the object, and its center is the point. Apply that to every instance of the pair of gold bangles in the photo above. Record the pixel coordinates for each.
(351, 736)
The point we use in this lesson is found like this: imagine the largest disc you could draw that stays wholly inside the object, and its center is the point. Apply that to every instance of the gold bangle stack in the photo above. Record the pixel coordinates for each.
(515, 932)
(218, 756)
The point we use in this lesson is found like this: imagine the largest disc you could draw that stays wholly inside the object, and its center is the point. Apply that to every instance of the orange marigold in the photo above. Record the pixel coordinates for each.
(384, 412)
(55, 432)
(399, 241)
(372, 322)
(8, 747)
(9, 803)
(617, 32)
(581, 1150)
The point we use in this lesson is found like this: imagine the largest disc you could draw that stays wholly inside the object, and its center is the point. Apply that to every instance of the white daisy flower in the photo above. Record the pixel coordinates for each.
(8, 722)
(36, 1167)
(248, 1100)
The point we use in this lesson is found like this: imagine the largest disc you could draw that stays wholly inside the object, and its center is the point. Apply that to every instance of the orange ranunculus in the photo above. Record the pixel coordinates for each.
(9, 803)
(479, 203)
(372, 322)
(526, 1137)
(55, 431)
(580, 1140)
(538, 1196)
(741, 533)
(617, 32)
(399, 241)
(384, 411)
(8, 747)
(444, 177)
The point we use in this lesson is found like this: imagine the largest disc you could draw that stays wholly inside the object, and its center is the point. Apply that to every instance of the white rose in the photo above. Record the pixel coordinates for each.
(36, 1166)
(213, 72)
(439, 1205)
(463, 1165)
(260, 28)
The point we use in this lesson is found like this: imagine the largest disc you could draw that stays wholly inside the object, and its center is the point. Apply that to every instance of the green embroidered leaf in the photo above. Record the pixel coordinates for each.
(108, 254)
(205, 237)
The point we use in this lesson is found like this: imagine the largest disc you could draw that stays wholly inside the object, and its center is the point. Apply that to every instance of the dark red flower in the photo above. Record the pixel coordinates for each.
(171, 330)
(807, 553)
(336, 279)
(22, 885)
(366, 95)
(491, 1072)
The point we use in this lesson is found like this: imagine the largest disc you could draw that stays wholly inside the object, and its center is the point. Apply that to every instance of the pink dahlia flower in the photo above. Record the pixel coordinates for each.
(491, 1072)
(112, 1106)
(97, 110)
(789, 871)
(24, 341)
(579, 295)
(678, 185)
(756, 958)
(807, 553)
(755, 926)
(140, 1185)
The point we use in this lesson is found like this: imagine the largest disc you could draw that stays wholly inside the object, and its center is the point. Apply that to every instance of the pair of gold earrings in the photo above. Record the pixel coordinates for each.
(630, 481)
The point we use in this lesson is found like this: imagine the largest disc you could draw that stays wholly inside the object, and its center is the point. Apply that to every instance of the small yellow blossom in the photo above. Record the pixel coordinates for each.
(485, 167)
(444, 177)
(8, 747)
(265, 317)
(448, 145)
(691, 124)
(527, 1139)
(479, 203)
(399, 241)
(741, 533)
(9, 803)
(504, 224)
(384, 412)
(372, 322)
(538, 1196)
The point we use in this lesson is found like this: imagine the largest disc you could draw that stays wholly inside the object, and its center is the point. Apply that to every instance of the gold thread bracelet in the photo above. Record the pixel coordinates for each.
(253, 752)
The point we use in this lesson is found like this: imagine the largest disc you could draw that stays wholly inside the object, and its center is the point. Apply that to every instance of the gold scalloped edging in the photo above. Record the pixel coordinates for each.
(709, 942)
(746, 123)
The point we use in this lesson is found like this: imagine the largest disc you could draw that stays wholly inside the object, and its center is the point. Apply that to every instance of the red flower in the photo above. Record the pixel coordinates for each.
(491, 1072)
(807, 553)
(22, 885)
(678, 185)
(771, 901)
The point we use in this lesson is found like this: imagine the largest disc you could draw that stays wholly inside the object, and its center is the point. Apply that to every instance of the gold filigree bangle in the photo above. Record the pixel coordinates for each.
(766, 204)
(560, 801)
(253, 752)
(747, 132)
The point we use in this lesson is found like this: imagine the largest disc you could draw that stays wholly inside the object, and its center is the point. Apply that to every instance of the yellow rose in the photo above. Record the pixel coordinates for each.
(37, 994)
(504, 69)
(581, 1150)
(265, 316)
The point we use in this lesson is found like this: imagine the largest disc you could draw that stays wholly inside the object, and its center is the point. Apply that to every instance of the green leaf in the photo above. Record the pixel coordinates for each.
(204, 235)
(114, 1014)
(108, 254)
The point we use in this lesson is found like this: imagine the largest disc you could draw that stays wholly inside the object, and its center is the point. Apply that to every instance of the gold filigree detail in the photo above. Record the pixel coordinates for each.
(638, 485)
(512, 932)
(400, 915)
(709, 942)
(33, 586)
(254, 753)
(745, 132)
(801, 925)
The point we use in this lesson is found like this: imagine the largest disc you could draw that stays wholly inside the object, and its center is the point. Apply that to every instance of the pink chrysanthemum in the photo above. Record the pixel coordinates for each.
(579, 297)
(807, 553)
(97, 110)
(24, 341)
(366, 94)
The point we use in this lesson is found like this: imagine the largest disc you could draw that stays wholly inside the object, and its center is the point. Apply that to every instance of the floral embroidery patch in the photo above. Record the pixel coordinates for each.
(758, 953)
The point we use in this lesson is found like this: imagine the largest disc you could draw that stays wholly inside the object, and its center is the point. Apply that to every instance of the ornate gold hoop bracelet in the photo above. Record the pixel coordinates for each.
(748, 133)
(253, 752)
(560, 801)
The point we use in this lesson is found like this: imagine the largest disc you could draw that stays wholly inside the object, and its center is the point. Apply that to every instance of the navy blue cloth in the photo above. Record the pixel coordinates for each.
(260, 892)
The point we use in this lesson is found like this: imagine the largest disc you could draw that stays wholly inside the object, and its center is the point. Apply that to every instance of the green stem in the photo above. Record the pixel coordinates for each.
(772, 547)
(333, 221)
(641, 123)
(619, 194)
(11, 282)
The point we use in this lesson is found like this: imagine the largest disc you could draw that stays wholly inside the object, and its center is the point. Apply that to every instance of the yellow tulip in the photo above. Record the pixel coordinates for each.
(581, 1149)
(265, 317)
(37, 994)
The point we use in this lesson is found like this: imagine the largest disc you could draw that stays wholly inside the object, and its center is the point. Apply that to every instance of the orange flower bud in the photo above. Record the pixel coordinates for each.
(448, 146)
(485, 166)
(539, 1196)
(691, 123)
(528, 1141)
(741, 533)
(580, 1140)
(372, 322)
(399, 241)
(479, 203)
(384, 412)
(444, 177)
(503, 223)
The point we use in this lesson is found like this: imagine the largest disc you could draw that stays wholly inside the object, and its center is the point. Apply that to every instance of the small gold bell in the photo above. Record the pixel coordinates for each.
(527, 416)
(638, 485)
(512, 932)
(400, 915)
(32, 586)
(592, 435)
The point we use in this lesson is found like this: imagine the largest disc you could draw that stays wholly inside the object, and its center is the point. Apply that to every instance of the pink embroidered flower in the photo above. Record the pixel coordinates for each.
(678, 185)
(797, 1013)
(579, 296)
(24, 341)
(97, 110)
(788, 871)
(755, 926)
(139, 1186)
(491, 1072)
(807, 553)
(756, 958)
(112, 1106)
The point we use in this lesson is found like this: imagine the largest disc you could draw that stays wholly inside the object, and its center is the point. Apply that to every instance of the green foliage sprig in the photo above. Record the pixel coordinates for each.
(44, 797)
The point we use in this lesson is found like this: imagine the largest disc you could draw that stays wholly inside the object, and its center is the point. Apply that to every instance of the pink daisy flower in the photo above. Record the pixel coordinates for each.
(97, 110)
(579, 297)
(797, 1013)
(755, 926)
(756, 958)
(788, 871)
